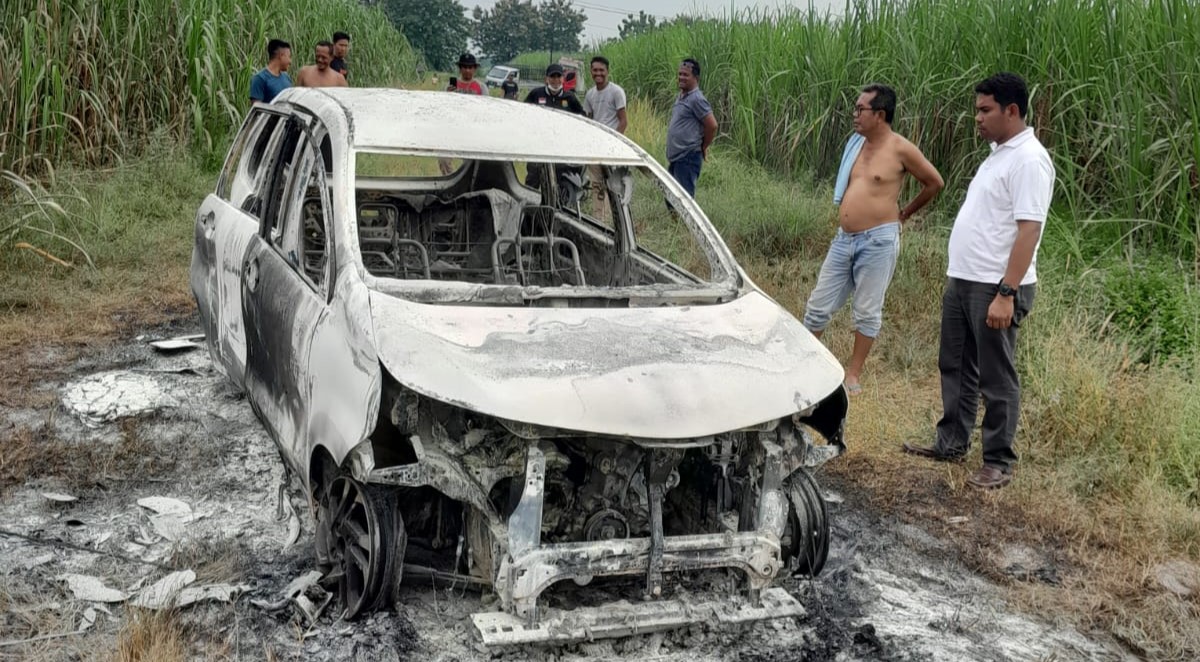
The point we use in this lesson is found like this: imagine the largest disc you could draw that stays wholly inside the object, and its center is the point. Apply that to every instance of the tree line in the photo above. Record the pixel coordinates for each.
(440, 29)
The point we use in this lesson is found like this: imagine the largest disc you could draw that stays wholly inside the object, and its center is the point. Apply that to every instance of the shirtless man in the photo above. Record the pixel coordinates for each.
(863, 255)
(321, 74)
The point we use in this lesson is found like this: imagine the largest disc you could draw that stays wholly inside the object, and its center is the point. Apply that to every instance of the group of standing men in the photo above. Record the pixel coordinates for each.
(689, 134)
(992, 274)
(328, 69)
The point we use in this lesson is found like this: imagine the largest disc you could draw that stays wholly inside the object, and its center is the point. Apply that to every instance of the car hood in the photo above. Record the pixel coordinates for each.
(658, 373)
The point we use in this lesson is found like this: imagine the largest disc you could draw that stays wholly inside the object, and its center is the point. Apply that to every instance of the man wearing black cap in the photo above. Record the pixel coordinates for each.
(552, 94)
(466, 83)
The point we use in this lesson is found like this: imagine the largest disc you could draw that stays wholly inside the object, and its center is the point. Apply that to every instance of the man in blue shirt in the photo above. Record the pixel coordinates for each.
(692, 128)
(273, 79)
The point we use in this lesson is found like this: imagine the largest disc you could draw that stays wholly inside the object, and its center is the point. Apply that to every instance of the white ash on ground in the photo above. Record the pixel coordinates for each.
(209, 521)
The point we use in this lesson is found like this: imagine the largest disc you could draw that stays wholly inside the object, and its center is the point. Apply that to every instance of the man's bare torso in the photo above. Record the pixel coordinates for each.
(312, 76)
(871, 198)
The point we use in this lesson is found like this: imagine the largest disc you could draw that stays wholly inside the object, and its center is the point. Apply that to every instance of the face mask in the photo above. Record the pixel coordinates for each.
(556, 89)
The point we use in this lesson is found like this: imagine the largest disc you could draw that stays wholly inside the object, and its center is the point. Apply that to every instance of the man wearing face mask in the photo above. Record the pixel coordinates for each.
(552, 95)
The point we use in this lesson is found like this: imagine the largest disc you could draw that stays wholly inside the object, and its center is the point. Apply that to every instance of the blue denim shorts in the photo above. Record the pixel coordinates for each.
(859, 264)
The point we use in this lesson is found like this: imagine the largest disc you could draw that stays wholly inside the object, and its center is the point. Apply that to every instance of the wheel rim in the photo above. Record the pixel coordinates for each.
(357, 550)
(809, 523)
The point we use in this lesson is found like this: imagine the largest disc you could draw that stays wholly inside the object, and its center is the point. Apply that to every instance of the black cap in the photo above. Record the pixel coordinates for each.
(554, 69)
(467, 60)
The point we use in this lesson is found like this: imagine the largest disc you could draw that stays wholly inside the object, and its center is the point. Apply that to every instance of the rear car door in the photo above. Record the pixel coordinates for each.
(285, 289)
(226, 221)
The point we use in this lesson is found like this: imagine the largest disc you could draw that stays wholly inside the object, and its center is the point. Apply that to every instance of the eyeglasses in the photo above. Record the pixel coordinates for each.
(858, 110)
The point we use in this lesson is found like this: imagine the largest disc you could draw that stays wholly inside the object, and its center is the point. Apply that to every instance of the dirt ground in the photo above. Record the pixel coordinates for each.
(132, 466)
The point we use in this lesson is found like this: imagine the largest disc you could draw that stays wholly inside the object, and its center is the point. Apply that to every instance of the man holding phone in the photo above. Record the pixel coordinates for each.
(467, 66)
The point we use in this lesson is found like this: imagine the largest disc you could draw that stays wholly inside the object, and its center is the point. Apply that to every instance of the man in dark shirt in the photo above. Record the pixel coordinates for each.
(509, 86)
(341, 48)
(692, 128)
(552, 94)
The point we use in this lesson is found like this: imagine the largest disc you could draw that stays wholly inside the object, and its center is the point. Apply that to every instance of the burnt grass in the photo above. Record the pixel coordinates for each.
(214, 453)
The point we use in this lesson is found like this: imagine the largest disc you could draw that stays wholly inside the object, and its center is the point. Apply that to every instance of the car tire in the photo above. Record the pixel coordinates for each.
(365, 541)
(808, 521)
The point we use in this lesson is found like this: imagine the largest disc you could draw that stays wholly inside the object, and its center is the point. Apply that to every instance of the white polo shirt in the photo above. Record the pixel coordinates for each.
(1014, 183)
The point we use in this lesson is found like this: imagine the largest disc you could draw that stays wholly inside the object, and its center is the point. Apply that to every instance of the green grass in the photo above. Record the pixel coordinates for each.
(137, 222)
(542, 58)
(1109, 476)
(87, 79)
(1109, 442)
(1116, 97)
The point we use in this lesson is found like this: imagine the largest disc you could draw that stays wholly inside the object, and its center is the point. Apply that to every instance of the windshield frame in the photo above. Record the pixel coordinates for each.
(727, 282)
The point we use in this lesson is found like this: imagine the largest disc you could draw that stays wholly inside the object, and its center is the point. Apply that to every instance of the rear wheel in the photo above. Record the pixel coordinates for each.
(806, 542)
(362, 535)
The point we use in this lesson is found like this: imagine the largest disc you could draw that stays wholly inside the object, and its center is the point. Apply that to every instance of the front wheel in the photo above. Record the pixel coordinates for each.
(806, 541)
(362, 535)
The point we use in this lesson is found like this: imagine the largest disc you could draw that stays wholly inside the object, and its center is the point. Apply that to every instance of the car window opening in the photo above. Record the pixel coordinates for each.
(524, 224)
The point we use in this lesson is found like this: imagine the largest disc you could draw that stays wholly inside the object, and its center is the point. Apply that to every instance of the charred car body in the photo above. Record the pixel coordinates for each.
(477, 379)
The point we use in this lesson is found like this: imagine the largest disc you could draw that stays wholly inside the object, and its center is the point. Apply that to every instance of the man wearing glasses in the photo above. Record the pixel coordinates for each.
(863, 255)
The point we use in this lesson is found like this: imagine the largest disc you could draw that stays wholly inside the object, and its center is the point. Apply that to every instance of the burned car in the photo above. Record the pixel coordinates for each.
(481, 376)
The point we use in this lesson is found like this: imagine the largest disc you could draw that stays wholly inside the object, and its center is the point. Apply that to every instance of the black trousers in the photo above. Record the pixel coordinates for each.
(977, 360)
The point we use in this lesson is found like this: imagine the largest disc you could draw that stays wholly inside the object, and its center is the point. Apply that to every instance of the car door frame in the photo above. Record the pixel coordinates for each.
(222, 234)
(281, 306)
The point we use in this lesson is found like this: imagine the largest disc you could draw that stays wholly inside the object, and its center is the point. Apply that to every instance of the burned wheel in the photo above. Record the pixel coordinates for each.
(806, 542)
(363, 537)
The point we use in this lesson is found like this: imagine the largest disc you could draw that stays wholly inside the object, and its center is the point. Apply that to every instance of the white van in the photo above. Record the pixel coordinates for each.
(498, 73)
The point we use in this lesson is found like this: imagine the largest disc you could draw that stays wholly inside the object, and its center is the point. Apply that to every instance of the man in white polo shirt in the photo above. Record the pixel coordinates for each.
(991, 283)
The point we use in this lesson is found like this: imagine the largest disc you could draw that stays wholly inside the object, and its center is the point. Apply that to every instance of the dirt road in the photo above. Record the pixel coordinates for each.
(159, 468)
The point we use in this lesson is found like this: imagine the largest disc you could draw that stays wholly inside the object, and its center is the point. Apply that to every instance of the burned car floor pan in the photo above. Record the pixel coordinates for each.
(625, 619)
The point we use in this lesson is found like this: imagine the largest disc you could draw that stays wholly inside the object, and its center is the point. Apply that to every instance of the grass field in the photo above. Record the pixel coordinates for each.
(92, 78)
(1108, 477)
(1116, 97)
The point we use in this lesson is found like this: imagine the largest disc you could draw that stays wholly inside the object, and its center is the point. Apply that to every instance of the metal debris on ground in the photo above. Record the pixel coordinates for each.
(210, 592)
(179, 343)
(295, 588)
(59, 498)
(92, 589)
(165, 505)
(162, 593)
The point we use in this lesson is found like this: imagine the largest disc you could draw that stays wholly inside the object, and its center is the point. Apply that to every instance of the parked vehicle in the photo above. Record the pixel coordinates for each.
(497, 74)
(477, 381)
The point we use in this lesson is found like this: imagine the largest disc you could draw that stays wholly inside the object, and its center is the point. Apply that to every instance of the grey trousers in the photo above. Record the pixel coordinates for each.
(977, 360)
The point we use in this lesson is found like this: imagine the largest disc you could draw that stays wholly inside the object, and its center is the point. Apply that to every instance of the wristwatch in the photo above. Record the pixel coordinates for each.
(1006, 290)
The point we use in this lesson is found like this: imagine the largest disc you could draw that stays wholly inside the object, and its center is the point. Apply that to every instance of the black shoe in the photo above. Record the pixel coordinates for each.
(932, 453)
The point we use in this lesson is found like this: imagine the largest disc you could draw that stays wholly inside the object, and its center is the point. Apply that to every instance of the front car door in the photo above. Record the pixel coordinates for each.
(285, 290)
(226, 221)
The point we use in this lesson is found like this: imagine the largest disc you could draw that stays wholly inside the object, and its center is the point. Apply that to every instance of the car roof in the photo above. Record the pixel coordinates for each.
(468, 126)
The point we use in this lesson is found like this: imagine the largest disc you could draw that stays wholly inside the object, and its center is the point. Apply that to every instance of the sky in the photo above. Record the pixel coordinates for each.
(604, 16)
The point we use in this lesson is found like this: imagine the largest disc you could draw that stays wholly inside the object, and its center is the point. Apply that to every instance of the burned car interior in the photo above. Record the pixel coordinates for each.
(482, 224)
(481, 378)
